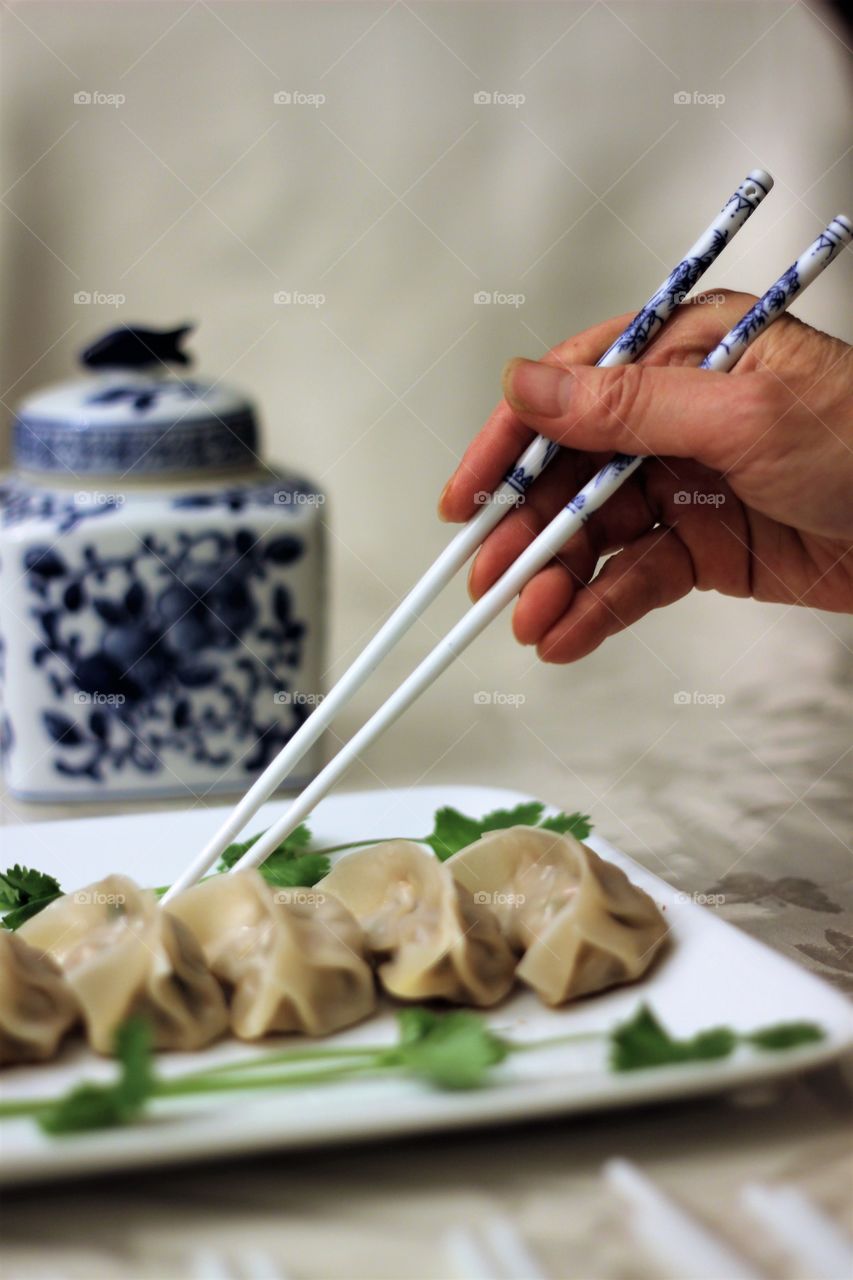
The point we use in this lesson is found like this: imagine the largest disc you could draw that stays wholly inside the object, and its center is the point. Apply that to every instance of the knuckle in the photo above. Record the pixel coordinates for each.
(768, 399)
(619, 399)
(734, 302)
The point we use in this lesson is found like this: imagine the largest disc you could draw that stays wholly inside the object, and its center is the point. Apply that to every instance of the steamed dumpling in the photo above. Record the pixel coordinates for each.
(123, 955)
(577, 920)
(293, 958)
(434, 940)
(37, 1006)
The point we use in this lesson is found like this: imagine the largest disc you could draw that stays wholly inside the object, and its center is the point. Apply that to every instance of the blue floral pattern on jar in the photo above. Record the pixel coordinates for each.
(191, 639)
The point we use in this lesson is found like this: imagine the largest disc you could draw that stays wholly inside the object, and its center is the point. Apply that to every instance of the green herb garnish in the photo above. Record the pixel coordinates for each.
(290, 864)
(24, 893)
(643, 1042)
(784, 1035)
(454, 830)
(455, 1050)
(451, 1050)
(105, 1106)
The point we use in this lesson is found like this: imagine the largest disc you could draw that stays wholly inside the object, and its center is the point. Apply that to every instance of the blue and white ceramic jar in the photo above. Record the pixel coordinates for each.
(161, 587)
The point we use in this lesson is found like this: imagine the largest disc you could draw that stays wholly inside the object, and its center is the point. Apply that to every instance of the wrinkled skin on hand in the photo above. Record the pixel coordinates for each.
(748, 494)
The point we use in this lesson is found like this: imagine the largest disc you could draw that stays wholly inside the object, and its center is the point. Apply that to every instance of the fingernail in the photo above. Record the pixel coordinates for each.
(540, 389)
(441, 514)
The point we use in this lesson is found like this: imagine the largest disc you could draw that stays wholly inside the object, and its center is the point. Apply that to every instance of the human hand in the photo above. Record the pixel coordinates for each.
(750, 491)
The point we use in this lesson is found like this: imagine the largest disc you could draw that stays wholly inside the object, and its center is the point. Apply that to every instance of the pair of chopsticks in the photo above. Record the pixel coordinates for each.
(689, 1250)
(646, 324)
(493, 1251)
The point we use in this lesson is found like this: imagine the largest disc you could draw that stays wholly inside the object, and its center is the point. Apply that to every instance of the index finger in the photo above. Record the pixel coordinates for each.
(497, 445)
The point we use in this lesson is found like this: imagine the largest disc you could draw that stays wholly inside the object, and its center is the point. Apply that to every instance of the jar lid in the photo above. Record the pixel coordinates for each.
(132, 415)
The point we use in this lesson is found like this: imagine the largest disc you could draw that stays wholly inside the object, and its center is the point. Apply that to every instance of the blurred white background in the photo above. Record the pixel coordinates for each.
(385, 187)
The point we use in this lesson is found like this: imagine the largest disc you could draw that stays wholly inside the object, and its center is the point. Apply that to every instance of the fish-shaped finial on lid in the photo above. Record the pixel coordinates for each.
(129, 347)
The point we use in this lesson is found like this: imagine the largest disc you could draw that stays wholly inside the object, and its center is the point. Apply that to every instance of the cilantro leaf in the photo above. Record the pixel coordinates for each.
(288, 860)
(24, 892)
(573, 824)
(104, 1106)
(784, 1035)
(523, 815)
(643, 1042)
(415, 1023)
(452, 1050)
(454, 830)
(288, 873)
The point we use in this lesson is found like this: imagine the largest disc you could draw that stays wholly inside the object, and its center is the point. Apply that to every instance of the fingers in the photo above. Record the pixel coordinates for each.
(690, 334)
(625, 517)
(567, 473)
(495, 448)
(696, 504)
(655, 571)
(484, 464)
(643, 409)
(547, 597)
(549, 594)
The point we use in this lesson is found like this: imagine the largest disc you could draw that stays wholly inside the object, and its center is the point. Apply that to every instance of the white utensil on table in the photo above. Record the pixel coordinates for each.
(207, 1263)
(687, 1249)
(493, 1251)
(802, 1230)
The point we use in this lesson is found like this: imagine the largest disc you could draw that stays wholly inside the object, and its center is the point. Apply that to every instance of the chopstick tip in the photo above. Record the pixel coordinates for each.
(763, 178)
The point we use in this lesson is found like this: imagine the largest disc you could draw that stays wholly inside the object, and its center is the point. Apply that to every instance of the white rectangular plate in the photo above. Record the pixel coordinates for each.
(711, 974)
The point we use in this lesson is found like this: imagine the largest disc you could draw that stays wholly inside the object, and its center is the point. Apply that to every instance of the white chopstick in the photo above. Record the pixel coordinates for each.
(506, 1243)
(686, 1248)
(495, 1251)
(593, 495)
(804, 1232)
(738, 208)
(207, 1263)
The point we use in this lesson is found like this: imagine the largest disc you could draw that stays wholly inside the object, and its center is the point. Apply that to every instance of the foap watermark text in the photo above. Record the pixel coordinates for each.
(498, 698)
(697, 698)
(696, 98)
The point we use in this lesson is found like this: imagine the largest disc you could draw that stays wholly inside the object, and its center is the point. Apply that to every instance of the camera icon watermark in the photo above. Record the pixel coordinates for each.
(702, 899)
(97, 498)
(83, 698)
(296, 698)
(97, 98)
(496, 98)
(298, 898)
(501, 899)
(684, 498)
(98, 298)
(96, 898)
(297, 98)
(496, 298)
(683, 98)
(696, 698)
(297, 498)
(512, 499)
(498, 698)
(294, 298)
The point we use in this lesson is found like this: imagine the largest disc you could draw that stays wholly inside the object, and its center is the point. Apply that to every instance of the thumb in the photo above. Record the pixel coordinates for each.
(646, 409)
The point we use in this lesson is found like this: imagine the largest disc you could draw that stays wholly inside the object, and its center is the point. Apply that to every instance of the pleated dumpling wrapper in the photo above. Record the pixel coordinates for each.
(578, 922)
(37, 1006)
(293, 959)
(124, 956)
(435, 942)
